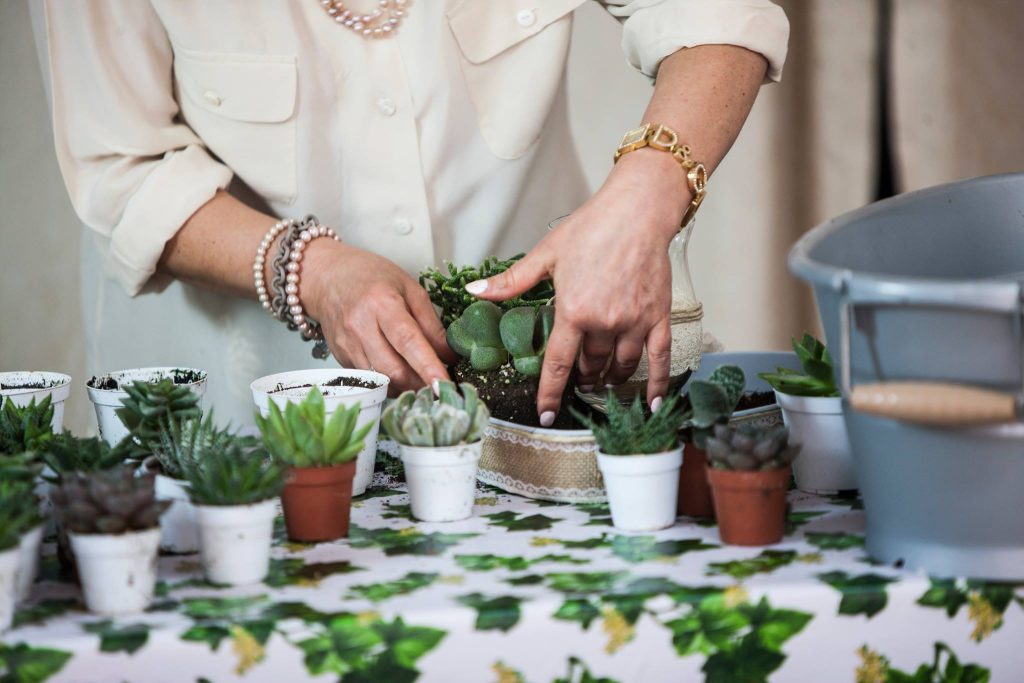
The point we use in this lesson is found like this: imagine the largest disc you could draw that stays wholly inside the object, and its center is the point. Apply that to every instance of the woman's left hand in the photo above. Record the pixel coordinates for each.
(610, 266)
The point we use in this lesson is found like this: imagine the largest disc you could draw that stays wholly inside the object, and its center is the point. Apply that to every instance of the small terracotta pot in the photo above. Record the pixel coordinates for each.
(694, 492)
(317, 502)
(750, 505)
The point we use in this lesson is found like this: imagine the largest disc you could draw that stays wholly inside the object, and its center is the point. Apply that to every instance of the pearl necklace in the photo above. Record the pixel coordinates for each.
(379, 23)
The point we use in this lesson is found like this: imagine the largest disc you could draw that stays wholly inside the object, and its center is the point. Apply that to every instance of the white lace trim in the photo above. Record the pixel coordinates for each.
(556, 493)
(542, 444)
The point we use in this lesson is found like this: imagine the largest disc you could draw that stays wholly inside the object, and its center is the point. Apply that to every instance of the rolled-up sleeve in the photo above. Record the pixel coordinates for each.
(135, 172)
(654, 29)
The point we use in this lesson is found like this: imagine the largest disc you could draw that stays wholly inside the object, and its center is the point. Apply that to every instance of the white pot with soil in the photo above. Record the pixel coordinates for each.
(10, 567)
(23, 386)
(816, 423)
(642, 489)
(179, 529)
(236, 541)
(117, 571)
(106, 393)
(28, 554)
(441, 480)
(340, 387)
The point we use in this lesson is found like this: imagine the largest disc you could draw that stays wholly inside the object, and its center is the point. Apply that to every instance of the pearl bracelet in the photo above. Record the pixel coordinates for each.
(309, 328)
(261, 259)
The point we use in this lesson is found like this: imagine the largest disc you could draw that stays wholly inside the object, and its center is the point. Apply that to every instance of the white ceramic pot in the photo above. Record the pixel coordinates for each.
(55, 385)
(28, 549)
(293, 386)
(825, 463)
(179, 531)
(642, 489)
(442, 481)
(117, 571)
(107, 401)
(236, 541)
(10, 568)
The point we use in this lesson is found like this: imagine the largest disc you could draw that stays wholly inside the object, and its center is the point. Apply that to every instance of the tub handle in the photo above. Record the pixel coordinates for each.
(934, 403)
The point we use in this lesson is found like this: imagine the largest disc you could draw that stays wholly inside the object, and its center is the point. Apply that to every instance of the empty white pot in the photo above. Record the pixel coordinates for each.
(293, 386)
(117, 572)
(825, 463)
(442, 480)
(179, 531)
(19, 387)
(10, 567)
(28, 549)
(236, 541)
(107, 401)
(642, 489)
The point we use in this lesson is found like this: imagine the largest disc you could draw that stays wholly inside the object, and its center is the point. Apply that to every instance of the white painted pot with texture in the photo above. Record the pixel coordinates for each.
(179, 531)
(10, 567)
(28, 559)
(825, 463)
(293, 386)
(117, 571)
(235, 541)
(441, 480)
(107, 401)
(642, 489)
(17, 386)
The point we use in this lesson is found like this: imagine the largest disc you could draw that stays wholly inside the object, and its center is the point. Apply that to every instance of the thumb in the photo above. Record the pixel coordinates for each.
(517, 280)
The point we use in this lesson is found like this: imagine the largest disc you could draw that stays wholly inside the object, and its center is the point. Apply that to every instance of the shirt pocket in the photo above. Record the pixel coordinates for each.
(243, 108)
(513, 55)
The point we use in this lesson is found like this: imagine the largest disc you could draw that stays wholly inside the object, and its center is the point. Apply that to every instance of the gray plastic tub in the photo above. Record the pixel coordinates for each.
(929, 287)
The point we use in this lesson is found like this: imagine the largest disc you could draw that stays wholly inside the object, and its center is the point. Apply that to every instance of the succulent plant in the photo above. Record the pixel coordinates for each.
(713, 400)
(25, 428)
(817, 378)
(67, 453)
(302, 437)
(415, 419)
(239, 472)
(476, 335)
(524, 332)
(19, 510)
(183, 445)
(20, 467)
(629, 431)
(152, 407)
(750, 448)
(113, 501)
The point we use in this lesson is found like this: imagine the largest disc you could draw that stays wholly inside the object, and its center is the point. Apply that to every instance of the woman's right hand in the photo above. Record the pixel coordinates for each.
(374, 315)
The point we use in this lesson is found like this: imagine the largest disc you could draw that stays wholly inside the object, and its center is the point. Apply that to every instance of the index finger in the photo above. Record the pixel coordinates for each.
(563, 345)
(405, 335)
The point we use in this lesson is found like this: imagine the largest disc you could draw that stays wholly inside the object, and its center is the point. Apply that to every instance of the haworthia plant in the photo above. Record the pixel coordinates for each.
(817, 379)
(415, 419)
(713, 400)
(301, 436)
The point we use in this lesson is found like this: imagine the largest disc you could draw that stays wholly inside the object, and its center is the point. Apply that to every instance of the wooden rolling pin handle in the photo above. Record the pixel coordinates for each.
(933, 403)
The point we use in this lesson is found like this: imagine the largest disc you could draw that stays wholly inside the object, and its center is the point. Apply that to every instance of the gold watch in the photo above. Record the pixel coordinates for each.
(665, 139)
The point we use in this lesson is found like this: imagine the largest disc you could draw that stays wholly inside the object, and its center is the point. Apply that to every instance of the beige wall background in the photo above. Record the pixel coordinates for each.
(806, 154)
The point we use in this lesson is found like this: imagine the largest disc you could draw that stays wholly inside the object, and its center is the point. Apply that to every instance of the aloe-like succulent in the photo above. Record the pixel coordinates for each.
(415, 419)
(113, 501)
(67, 453)
(629, 431)
(713, 400)
(239, 472)
(524, 333)
(301, 436)
(25, 428)
(19, 510)
(183, 445)
(750, 448)
(817, 378)
(151, 408)
(476, 335)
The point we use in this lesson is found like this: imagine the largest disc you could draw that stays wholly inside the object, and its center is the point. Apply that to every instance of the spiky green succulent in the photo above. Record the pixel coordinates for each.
(712, 401)
(153, 407)
(750, 448)
(183, 445)
(817, 378)
(415, 419)
(19, 510)
(113, 501)
(301, 436)
(630, 431)
(25, 428)
(487, 336)
(239, 472)
(67, 453)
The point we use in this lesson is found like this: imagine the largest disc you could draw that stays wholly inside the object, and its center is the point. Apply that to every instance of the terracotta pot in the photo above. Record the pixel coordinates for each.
(750, 505)
(317, 502)
(694, 492)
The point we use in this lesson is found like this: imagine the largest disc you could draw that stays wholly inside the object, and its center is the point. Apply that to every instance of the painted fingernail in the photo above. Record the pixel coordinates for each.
(609, 386)
(655, 404)
(477, 287)
(586, 388)
(436, 386)
(547, 418)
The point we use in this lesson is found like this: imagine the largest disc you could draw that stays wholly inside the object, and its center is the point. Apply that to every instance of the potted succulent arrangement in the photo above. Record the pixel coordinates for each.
(321, 457)
(813, 410)
(234, 489)
(341, 388)
(440, 447)
(22, 387)
(108, 392)
(749, 471)
(112, 518)
(640, 457)
(20, 533)
(25, 430)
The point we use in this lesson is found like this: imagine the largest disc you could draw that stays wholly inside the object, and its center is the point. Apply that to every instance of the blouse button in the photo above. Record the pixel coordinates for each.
(213, 98)
(386, 106)
(526, 17)
(402, 226)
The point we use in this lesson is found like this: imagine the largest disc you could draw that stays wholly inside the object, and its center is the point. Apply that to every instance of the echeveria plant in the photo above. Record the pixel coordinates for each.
(415, 419)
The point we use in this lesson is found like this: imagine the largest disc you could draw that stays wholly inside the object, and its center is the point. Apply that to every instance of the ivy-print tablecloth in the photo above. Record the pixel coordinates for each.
(528, 591)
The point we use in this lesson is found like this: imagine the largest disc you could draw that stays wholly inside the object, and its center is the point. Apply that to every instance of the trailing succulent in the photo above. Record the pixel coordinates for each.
(25, 428)
(487, 336)
(113, 501)
(415, 419)
(66, 454)
(750, 448)
(629, 431)
(239, 472)
(817, 378)
(151, 408)
(182, 446)
(19, 510)
(447, 290)
(301, 436)
(712, 401)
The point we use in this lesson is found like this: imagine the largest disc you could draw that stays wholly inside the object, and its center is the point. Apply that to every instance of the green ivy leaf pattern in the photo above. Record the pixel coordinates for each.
(580, 610)
(796, 519)
(767, 562)
(119, 638)
(294, 571)
(500, 613)
(43, 610)
(216, 619)
(488, 562)
(637, 549)
(514, 521)
(834, 540)
(377, 492)
(986, 602)
(378, 592)
(407, 541)
(944, 668)
(600, 514)
(864, 594)
(22, 663)
(397, 511)
(579, 673)
(525, 580)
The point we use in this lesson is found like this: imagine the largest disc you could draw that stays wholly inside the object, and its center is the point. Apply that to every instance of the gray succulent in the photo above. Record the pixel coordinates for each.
(415, 419)
(750, 448)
